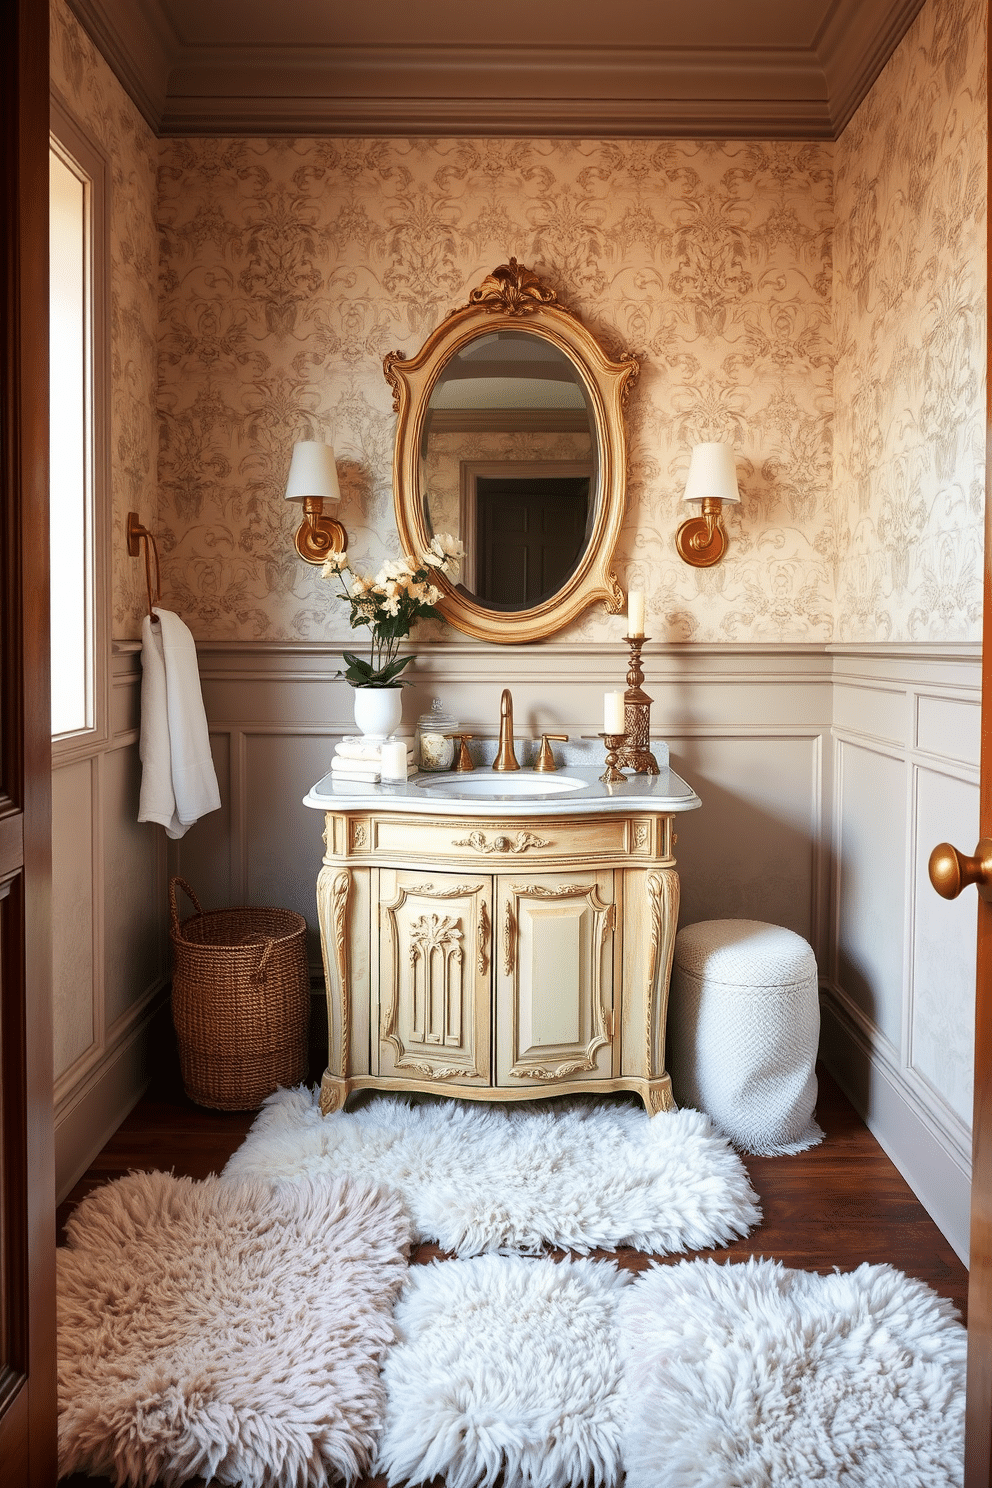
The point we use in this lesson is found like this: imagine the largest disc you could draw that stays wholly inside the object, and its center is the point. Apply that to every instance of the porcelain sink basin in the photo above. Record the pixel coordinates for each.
(506, 783)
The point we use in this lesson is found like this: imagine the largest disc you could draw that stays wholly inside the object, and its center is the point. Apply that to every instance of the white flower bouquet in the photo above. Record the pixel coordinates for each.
(400, 593)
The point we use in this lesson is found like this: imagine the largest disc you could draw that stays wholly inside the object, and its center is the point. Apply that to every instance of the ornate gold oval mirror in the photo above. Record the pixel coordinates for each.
(510, 435)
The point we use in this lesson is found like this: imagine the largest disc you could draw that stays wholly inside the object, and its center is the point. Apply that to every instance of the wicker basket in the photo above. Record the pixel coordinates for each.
(240, 1001)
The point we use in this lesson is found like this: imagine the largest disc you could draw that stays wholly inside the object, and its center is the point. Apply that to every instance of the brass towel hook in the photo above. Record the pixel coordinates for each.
(139, 537)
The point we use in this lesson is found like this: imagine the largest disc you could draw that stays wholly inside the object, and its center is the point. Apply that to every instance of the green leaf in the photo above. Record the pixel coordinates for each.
(362, 674)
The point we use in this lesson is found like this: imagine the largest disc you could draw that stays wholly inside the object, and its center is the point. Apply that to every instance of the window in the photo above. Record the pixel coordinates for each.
(78, 495)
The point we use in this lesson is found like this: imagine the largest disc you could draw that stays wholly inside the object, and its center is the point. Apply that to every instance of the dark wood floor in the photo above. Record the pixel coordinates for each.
(836, 1205)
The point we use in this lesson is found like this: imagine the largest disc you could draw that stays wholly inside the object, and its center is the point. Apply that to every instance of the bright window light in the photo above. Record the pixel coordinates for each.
(71, 447)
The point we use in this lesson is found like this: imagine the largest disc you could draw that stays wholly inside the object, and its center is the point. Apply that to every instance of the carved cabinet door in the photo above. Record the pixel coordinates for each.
(434, 977)
(554, 969)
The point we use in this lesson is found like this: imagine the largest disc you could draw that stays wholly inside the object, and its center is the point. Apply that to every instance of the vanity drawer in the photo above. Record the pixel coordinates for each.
(479, 840)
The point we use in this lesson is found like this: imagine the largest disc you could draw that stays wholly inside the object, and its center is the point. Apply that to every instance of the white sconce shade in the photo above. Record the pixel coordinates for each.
(313, 471)
(712, 479)
(712, 472)
(313, 479)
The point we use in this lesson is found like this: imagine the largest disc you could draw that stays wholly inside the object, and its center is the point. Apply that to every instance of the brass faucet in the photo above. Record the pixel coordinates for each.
(505, 757)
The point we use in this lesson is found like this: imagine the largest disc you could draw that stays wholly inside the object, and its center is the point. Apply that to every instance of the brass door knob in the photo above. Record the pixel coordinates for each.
(950, 870)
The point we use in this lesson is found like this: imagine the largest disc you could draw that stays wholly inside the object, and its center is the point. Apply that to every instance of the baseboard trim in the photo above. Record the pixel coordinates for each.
(932, 1172)
(90, 1114)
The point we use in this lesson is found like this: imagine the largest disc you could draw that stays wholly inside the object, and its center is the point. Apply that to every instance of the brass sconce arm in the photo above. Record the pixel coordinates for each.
(702, 541)
(317, 536)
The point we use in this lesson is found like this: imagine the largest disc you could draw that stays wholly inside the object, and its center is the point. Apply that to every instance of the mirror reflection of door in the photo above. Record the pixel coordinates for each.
(511, 407)
(525, 526)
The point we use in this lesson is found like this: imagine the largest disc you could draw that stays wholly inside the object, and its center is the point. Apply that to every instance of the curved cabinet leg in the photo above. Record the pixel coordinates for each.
(663, 900)
(333, 1094)
(333, 891)
(658, 1096)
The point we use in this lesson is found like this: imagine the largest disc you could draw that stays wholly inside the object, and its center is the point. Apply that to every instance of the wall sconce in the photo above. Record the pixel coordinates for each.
(712, 479)
(313, 479)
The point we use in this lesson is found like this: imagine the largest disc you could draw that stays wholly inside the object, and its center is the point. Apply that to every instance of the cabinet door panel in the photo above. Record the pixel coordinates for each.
(554, 978)
(434, 978)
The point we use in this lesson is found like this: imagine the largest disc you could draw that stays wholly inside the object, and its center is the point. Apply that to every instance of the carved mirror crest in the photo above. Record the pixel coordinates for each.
(510, 435)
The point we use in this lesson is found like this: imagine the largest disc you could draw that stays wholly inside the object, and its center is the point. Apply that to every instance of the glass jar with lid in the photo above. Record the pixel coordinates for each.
(435, 749)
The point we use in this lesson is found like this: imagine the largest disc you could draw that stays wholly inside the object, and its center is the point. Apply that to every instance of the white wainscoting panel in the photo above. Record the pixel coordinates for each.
(898, 1001)
(870, 868)
(754, 850)
(949, 727)
(73, 888)
(132, 890)
(872, 712)
(110, 936)
(941, 1004)
(210, 855)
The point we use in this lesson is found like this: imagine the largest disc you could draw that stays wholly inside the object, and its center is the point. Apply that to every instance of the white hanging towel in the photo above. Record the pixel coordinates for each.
(178, 781)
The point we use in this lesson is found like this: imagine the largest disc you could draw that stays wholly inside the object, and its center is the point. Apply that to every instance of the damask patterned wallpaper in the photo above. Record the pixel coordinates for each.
(909, 316)
(287, 268)
(98, 101)
(290, 267)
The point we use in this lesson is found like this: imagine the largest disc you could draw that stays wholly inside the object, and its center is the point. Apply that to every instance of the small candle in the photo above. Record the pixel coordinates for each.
(613, 719)
(635, 612)
(392, 761)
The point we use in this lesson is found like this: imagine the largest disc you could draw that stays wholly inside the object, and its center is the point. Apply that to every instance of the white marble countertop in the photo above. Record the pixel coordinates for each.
(573, 790)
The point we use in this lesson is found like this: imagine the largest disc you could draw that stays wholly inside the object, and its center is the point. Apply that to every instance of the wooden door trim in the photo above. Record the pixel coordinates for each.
(978, 1422)
(27, 1182)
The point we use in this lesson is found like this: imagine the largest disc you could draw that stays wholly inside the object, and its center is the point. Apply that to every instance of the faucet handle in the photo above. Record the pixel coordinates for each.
(464, 758)
(545, 759)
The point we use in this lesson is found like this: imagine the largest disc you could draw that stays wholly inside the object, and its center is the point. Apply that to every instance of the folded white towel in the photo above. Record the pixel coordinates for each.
(358, 748)
(178, 781)
(353, 766)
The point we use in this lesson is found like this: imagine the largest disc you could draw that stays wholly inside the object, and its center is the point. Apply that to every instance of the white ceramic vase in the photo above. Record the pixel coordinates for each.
(378, 711)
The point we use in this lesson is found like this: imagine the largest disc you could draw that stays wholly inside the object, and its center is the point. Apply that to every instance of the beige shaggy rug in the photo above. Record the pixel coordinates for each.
(232, 1331)
(506, 1369)
(756, 1376)
(574, 1173)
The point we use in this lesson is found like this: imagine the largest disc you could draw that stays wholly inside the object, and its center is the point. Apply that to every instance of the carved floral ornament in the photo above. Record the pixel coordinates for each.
(514, 290)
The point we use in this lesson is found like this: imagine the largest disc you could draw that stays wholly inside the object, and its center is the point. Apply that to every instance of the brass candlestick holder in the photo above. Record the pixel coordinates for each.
(634, 752)
(614, 742)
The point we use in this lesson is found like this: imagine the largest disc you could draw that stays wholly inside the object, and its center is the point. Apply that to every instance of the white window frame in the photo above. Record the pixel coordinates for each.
(85, 157)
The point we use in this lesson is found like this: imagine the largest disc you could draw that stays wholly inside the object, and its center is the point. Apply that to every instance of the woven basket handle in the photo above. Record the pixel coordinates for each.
(181, 883)
(259, 975)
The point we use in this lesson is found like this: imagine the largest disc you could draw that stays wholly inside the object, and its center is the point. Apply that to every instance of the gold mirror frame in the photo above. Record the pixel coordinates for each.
(508, 297)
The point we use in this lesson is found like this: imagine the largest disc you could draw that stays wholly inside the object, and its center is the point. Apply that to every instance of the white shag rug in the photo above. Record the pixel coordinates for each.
(229, 1331)
(755, 1376)
(505, 1366)
(579, 1175)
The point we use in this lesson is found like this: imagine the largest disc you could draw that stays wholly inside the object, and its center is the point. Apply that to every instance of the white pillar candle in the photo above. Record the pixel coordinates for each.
(613, 719)
(635, 613)
(392, 761)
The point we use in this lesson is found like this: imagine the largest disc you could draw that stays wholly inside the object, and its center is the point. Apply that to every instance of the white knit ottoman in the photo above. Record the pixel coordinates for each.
(743, 1028)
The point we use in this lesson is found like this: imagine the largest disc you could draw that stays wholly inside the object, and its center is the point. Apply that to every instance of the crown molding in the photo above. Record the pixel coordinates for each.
(496, 118)
(438, 89)
(139, 45)
(503, 90)
(854, 46)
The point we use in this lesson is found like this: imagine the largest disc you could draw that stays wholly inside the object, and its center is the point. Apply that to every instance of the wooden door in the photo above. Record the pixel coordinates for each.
(27, 1208)
(554, 978)
(434, 977)
(950, 871)
(530, 533)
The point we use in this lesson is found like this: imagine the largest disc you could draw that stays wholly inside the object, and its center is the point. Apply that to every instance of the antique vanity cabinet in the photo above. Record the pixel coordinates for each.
(498, 947)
